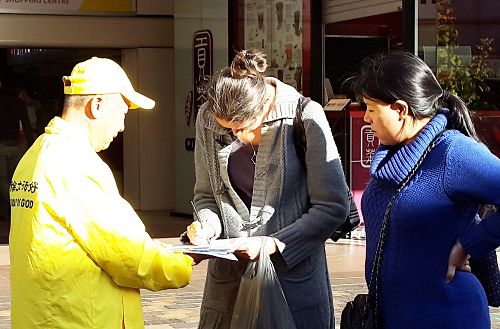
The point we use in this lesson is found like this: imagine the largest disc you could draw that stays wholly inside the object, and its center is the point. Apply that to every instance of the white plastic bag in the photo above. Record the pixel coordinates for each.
(260, 302)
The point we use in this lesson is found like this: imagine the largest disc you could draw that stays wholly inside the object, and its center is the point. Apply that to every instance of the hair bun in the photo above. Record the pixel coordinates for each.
(248, 63)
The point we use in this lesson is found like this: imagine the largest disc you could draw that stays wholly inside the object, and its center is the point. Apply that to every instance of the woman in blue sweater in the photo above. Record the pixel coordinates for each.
(425, 280)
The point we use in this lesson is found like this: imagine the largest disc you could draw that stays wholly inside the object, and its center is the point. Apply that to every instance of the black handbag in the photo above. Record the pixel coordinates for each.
(299, 141)
(357, 314)
(350, 223)
(486, 271)
(363, 311)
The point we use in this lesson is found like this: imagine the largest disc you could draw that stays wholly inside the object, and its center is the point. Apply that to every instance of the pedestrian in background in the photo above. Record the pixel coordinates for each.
(425, 279)
(33, 106)
(251, 183)
(78, 251)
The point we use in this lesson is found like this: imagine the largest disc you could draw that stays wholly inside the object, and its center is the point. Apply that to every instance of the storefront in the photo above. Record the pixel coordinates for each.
(473, 22)
(171, 48)
(51, 36)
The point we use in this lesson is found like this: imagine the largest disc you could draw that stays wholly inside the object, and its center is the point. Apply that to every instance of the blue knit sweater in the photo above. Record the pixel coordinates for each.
(435, 209)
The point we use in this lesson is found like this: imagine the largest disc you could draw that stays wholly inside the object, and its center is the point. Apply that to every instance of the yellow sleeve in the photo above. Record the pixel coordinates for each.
(108, 229)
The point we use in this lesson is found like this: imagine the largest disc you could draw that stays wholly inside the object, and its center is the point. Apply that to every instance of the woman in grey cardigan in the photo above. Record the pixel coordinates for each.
(250, 183)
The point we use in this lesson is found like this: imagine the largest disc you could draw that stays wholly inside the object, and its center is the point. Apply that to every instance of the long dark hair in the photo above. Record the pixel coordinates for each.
(404, 76)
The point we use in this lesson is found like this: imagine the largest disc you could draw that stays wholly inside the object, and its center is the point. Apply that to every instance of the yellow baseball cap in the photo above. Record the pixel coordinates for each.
(97, 76)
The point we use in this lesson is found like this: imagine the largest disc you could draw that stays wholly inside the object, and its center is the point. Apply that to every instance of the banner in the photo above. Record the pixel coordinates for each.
(68, 7)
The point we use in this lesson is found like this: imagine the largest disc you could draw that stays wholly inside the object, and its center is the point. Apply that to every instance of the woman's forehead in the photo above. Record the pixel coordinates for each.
(373, 101)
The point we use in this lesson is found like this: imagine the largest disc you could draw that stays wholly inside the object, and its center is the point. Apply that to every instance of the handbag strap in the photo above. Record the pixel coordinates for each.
(377, 263)
(299, 133)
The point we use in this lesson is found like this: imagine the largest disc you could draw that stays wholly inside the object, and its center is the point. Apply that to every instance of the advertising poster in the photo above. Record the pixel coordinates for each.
(275, 26)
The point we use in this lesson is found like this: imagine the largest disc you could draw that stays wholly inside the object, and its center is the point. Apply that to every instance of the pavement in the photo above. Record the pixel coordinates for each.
(179, 308)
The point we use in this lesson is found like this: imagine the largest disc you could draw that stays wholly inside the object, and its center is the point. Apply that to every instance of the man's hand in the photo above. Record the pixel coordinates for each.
(458, 260)
(250, 248)
(197, 258)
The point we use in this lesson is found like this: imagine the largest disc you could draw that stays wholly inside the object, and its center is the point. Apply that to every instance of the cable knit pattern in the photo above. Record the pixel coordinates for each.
(428, 216)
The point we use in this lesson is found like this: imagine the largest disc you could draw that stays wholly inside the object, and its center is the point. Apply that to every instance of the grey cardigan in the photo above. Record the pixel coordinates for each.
(299, 207)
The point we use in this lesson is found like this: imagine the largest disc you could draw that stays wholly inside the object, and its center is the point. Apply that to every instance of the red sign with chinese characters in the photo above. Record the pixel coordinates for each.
(363, 146)
(364, 143)
(368, 145)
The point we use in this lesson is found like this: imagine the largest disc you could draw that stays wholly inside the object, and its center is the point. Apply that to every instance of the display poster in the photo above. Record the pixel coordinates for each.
(277, 28)
(68, 7)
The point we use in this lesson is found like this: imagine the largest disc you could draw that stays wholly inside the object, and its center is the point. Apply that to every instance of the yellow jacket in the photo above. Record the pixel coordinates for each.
(78, 251)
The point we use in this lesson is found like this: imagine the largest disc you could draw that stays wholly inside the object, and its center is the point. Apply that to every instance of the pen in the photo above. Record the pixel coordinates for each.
(197, 217)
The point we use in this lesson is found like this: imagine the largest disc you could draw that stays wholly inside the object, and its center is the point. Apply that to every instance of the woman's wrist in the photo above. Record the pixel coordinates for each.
(274, 245)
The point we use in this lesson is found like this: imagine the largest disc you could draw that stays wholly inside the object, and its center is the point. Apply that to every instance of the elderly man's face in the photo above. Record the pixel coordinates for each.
(111, 122)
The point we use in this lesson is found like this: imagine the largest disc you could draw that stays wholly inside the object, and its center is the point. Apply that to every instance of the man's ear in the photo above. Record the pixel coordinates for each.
(401, 107)
(96, 107)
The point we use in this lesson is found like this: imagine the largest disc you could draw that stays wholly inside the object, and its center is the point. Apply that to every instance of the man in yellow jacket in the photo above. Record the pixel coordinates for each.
(78, 251)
